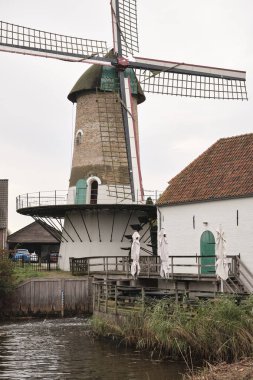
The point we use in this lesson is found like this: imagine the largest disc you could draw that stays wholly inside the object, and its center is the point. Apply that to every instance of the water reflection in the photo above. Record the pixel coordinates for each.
(62, 349)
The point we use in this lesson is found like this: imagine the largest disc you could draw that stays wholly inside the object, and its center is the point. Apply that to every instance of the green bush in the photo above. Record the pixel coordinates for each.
(7, 278)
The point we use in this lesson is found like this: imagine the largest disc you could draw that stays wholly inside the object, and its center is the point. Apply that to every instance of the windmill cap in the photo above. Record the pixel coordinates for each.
(104, 78)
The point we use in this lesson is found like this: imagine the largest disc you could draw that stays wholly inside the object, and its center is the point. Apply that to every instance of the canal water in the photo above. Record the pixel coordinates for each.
(63, 349)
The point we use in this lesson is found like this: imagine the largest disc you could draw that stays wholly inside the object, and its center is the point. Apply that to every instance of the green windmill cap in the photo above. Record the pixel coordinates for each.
(104, 78)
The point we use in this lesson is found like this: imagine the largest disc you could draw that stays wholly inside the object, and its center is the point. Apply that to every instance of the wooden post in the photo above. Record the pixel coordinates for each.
(116, 300)
(106, 297)
(176, 291)
(172, 267)
(32, 297)
(142, 299)
(99, 289)
(198, 261)
(94, 296)
(62, 303)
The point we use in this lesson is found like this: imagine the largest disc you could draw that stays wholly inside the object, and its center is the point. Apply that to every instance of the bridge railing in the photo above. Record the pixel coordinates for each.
(108, 297)
(150, 266)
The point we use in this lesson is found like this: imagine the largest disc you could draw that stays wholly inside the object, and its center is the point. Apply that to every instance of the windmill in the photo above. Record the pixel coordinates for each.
(132, 75)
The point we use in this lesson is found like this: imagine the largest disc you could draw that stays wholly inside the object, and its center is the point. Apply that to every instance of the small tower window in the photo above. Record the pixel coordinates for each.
(79, 137)
(93, 183)
(94, 193)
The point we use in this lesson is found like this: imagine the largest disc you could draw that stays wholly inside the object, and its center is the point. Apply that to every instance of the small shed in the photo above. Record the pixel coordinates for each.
(35, 238)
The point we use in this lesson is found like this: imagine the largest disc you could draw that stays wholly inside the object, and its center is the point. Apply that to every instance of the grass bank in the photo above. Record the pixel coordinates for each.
(22, 274)
(215, 330)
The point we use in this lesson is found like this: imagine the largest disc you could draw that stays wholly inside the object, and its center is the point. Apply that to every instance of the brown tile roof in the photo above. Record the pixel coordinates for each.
(225, 170)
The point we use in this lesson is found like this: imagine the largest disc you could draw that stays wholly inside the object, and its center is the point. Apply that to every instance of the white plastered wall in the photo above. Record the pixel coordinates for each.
(184, 239)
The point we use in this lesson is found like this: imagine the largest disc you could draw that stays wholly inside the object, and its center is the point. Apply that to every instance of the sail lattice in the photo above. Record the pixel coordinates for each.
(16, 36)
(128, 26)
(197, 86)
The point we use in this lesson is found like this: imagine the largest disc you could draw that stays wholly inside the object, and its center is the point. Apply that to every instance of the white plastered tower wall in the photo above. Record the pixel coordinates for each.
(235, 216)
(102, 235)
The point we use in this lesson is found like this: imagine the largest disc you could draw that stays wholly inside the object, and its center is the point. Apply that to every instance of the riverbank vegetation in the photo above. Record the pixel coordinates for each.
(214, 330)
(242, 370)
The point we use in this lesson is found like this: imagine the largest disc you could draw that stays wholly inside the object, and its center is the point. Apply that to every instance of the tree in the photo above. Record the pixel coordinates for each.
(6, 274)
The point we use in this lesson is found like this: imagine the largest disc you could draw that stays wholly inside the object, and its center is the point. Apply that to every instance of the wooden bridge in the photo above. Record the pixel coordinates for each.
(184, 268)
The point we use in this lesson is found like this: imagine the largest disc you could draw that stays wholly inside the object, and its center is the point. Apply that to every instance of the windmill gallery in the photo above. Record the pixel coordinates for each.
(106, 202)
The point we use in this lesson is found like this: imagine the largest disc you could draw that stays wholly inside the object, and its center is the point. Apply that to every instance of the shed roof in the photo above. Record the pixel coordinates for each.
(223, 171)
(32, 233)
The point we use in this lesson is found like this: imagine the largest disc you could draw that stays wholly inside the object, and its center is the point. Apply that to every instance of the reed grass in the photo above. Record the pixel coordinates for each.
(214, 330)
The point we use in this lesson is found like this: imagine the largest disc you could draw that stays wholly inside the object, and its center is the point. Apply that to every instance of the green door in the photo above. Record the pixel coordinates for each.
(207, 248)
(81, 187)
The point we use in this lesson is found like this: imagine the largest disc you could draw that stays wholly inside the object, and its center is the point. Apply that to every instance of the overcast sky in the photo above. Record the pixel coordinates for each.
(36, 118)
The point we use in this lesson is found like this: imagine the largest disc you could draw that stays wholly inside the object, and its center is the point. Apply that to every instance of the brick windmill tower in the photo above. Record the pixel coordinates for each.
(100, 169)
(106, 202)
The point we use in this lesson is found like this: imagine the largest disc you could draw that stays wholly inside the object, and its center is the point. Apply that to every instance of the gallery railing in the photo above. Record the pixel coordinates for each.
(68, 197)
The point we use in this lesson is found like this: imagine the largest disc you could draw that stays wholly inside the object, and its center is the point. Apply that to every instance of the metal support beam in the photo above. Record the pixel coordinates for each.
(67, 217)
(59, 221)
(127, 225)
(85, 226)
(113, 220)
(46, 227)
(99, 233)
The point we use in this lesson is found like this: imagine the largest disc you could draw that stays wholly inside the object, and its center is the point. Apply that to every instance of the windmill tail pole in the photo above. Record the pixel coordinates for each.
(126, 131)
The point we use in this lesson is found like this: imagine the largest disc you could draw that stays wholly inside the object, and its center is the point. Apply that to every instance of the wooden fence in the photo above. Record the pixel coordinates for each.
(52, 297)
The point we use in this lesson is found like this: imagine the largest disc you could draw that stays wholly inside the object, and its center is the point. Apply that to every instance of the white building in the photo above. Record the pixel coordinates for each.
(215, 189)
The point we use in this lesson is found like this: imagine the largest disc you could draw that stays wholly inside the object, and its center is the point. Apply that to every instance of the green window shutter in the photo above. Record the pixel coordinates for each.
(81, 189)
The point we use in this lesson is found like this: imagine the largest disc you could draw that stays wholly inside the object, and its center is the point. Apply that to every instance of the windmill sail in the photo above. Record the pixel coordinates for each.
(125, 31)
(20, 39)
(181, 79)
(118, 129)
